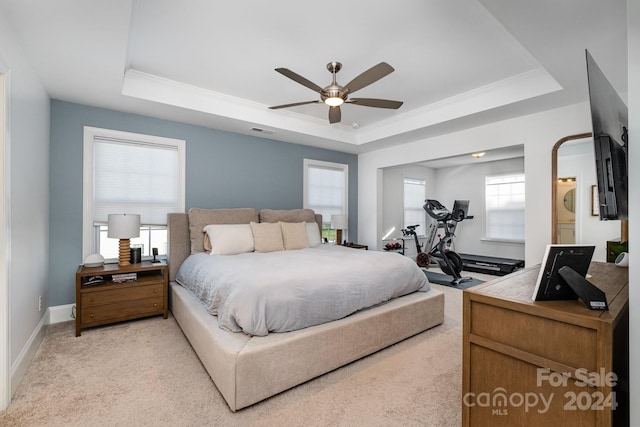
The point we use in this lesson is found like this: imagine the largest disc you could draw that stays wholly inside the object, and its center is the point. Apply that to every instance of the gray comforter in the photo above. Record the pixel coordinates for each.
(258, 293)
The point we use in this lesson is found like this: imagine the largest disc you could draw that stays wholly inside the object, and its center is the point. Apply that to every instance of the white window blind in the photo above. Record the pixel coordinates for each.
(326, 190)
(135, 177)
(126, 172)
(504, 197)
(414, 195)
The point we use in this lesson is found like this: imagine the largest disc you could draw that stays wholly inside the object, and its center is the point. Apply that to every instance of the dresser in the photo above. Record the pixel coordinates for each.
(549, 363)
(100, 301)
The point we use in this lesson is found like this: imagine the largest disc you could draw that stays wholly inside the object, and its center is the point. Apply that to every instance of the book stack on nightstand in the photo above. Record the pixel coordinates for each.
(124, 278)
(110, 293)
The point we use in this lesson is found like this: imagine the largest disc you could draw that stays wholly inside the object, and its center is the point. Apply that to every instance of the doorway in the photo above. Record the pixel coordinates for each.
(566, 206)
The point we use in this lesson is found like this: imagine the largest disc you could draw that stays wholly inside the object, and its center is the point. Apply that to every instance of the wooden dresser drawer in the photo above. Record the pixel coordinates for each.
(115, 295)
(535, 335)
(122, 311)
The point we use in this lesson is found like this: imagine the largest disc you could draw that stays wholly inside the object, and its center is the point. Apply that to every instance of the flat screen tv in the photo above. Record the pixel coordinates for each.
(609, 118)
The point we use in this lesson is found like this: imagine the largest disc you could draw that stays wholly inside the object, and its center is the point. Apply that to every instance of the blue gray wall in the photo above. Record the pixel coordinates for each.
(223, 170)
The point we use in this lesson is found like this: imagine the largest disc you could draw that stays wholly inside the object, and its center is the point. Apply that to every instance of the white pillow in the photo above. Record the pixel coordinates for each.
(229, 239)
(313, 234)
(267, 236)
(294, 235)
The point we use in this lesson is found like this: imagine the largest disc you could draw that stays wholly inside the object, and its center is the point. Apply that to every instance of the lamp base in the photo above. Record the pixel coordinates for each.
(124, 252)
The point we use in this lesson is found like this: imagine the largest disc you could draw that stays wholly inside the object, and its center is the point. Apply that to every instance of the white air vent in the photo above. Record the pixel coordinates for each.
(260, 130)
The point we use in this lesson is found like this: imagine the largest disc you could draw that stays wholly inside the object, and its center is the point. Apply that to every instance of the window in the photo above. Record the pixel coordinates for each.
(326, 192)
(504, 197)
(130, 173)
(414, 195)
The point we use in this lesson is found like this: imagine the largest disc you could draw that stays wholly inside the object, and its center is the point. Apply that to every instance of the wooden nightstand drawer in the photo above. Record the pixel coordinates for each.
(122, 311)
(113, 294)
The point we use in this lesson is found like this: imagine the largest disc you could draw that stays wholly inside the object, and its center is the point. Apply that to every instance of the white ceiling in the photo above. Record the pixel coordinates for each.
(458, 63)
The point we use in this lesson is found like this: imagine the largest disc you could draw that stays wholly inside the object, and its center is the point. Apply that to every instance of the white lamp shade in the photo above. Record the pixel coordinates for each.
(339, 222)
(123, 226)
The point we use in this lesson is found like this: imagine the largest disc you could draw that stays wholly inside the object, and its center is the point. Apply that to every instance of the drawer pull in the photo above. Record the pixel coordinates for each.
(155, 291)
(155, 304)
(92, 315)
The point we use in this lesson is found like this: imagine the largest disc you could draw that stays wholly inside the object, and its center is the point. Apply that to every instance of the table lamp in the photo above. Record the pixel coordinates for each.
(124, 227)
(339, 223)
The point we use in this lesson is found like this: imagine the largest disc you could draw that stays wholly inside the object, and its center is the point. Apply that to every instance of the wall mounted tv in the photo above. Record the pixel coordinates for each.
(609, 118)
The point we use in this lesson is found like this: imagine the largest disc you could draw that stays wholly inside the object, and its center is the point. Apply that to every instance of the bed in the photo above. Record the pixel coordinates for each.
(248, 368)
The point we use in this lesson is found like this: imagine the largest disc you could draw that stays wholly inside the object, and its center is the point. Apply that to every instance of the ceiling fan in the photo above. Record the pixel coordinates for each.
(335, 95)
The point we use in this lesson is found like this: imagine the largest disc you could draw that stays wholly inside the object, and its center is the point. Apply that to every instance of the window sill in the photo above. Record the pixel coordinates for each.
(495, 240)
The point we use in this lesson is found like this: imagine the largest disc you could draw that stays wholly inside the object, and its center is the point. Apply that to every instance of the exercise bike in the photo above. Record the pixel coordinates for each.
(441, 252)
(422, 258)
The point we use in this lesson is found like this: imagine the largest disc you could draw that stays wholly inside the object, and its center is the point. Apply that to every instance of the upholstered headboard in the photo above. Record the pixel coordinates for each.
(185, 235)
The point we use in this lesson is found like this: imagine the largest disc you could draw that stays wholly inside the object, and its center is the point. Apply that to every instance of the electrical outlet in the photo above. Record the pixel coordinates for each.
(40, 303)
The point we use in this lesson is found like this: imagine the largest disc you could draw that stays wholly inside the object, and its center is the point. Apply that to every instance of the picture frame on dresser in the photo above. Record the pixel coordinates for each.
(550, 285)
(562, 276)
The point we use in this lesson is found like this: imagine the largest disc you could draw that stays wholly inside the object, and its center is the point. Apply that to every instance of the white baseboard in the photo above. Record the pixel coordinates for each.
(60, 313)
(23, 360)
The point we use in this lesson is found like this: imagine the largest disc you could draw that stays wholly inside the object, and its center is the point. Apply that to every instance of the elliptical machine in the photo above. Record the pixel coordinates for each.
(441, 252)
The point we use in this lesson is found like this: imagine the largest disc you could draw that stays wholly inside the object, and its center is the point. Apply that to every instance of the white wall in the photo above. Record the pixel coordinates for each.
(538, 133)
(28, 202)
(468, 183)
(633, 8)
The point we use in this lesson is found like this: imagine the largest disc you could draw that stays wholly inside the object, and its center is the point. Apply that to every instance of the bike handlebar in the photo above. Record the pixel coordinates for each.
(410, 230)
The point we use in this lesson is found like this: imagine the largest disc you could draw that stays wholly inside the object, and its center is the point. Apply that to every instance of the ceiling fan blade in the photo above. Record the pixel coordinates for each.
(295, 104)
(298, 78)
(335, 115)
(372, 75)
(378, 103)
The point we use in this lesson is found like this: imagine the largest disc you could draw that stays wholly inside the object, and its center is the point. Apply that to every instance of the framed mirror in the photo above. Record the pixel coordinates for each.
(573, 203)
(557, 187)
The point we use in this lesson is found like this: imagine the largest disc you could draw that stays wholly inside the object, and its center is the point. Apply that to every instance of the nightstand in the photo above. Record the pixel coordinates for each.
(107, 302)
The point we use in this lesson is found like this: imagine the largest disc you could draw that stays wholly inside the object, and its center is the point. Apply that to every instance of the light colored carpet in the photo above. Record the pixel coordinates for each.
(145, 373)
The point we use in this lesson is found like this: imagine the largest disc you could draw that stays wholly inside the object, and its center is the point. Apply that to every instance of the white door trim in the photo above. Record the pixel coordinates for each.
(5, 239)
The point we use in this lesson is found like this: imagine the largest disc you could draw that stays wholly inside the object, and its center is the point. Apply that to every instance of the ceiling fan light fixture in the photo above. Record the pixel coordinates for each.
(335, 95)
(334, 101)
